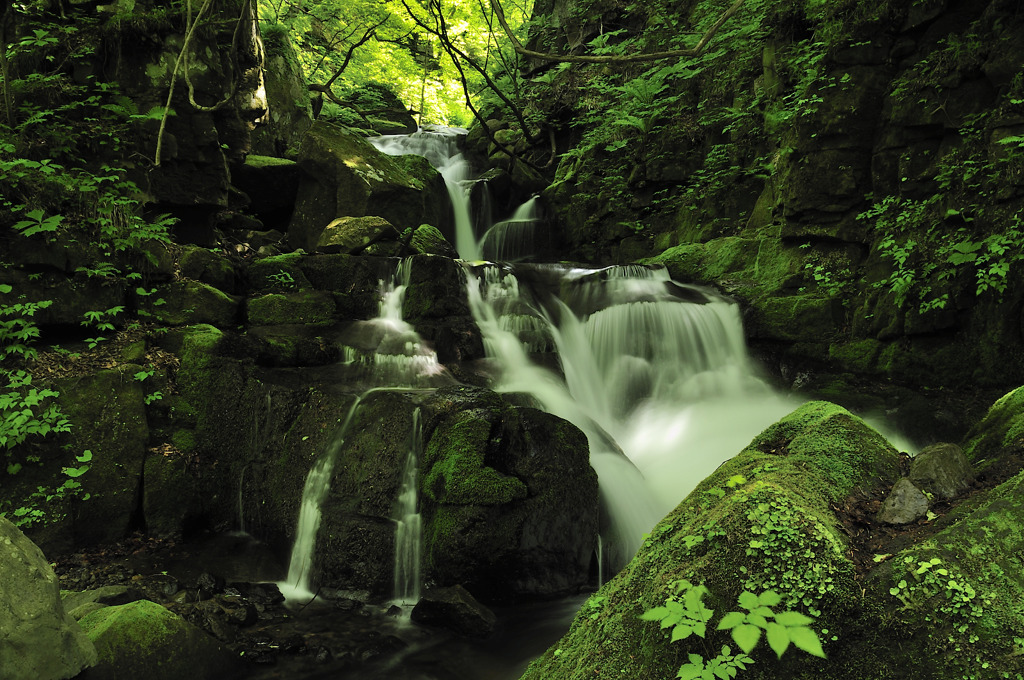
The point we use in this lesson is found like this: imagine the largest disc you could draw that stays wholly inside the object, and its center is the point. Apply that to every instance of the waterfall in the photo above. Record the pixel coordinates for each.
(298, 586)
(515, 238)
(655, 374)
(387, 350)
(408, 523)
(440, 148)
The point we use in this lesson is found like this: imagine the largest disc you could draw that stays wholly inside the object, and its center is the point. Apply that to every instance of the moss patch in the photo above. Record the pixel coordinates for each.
(457, 474)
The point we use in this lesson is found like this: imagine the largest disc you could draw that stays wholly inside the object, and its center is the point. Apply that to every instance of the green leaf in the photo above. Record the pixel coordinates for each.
(746, 636)
(13, 468)
(791, 619)
(4, 288)
(656, 614)
(681, 633)
(690, 671)
(731, 620)
(748, 601)
(778, 638)
(807, 640)
(769, 598)
(85, 457)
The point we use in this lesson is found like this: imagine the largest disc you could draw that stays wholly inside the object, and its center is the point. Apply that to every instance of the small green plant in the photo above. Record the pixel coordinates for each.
(38, 507)
(102, 320)
(684, 614)
(282, 278)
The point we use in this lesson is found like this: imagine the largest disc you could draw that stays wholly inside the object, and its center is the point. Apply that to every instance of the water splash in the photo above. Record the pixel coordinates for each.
(409, 523)
(655, 374)
(298, 586)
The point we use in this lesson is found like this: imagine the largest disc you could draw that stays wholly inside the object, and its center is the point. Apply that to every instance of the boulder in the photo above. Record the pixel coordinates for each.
(510, 502)
(38, 640)
(904, 504)
(301, 307)
(183, 303)
(455, 609)
(345, 176)
(353, 234)
(208, 267)
(766, 520)
(941, 470)
(428, 240)
(144, 640)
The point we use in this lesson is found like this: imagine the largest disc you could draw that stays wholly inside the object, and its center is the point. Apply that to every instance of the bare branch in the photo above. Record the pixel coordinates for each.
(611, 58)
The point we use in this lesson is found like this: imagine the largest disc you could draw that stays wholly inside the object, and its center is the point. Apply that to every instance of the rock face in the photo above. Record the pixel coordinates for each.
(290, 113)
(905, 504)
(345, 176)
(510, 502)
(38, 640)
(896, 621)
(454, 608)
(144, 640)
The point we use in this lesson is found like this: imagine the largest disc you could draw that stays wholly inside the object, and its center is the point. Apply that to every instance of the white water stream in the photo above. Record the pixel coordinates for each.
(409, 523)
(656, 374)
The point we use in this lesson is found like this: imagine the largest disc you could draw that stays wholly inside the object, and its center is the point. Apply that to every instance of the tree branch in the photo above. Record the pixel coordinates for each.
(611, 58)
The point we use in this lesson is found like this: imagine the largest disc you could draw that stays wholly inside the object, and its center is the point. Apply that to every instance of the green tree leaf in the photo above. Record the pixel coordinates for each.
(778, 638)
(746, 636)
(807, 640)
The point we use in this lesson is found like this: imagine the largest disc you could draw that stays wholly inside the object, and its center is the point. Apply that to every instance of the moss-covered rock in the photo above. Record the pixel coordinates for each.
(184, 303)
(509, 498)
(275, 274)
(170, 496)
(345, 176)
(208, 267)
(352, 235)
(1002, 428)
(428, 240)
(40, 640)
(302, 307)
(144, 640)
(764, 520)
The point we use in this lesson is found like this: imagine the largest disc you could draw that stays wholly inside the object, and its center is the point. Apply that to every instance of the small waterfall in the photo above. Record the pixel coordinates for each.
(408, 523)
(298, 586)
(387, 350)
(440, 147)
(654, 373)
(515, 238)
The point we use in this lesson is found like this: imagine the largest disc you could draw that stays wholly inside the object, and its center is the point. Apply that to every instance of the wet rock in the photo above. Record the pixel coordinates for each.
(510, 501)
(299, 307)
(144, 640)
(428, 240)
(207, 584)
(207, 267)
(40, 640)
(904, 504)
(345, 176)
(353, 234)
(106, 595)
(455, 609)
(191, 302)
(941, 470)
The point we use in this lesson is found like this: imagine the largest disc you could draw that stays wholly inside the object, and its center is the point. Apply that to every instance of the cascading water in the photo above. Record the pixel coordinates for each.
(653, 372)
(408, 523)
(440, 147)
(297, 587)
(512, 239)
(388, 349)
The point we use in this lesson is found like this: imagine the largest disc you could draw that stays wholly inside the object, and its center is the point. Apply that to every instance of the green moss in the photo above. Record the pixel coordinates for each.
(190, 302)
(859, 355)
(1003, 425)
(456, 473)
(301, 307)
(134, 628)
(277, 273)
(184, 440)
(796, 317)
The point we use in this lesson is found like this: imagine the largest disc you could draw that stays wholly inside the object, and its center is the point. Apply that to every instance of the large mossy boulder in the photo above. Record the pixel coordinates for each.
(510, 502)
(767, 520)
(290, 113)
(38, 640)
(345, 176)
(144, 640)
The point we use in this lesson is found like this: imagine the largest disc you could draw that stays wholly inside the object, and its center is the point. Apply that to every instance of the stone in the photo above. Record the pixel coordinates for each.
(290, 113)
(272, 184)
(105, 595)
(428, 240)
(311, 307)
(345, 176)
(941, 470)
(169, 495)
(455, 609)
(208, 267)
(353, 234)
(144, 640)
(904, 504)
(38, 639)
(509, 499)
(191, 302)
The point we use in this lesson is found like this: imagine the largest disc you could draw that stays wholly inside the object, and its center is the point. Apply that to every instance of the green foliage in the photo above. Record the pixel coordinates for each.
(42, 505)
(684, 614)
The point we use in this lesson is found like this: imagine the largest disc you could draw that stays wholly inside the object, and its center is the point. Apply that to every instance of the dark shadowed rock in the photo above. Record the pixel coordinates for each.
(455, 609)
(941, 470)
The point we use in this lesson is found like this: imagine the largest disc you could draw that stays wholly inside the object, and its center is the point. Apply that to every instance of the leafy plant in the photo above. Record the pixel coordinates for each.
(684, 614)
